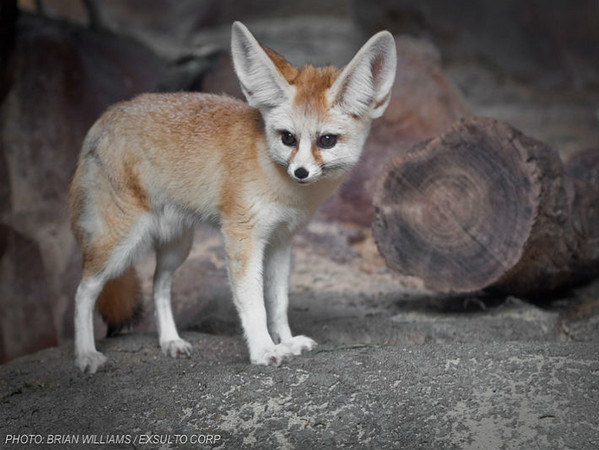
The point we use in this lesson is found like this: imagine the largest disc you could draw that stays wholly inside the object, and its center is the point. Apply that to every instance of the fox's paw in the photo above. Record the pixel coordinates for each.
(91, 362)
(272, 356)
(299, 344)
(176, 348)
(277, 354)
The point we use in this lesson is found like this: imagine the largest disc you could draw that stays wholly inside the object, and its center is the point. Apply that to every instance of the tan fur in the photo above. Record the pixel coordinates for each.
(285, 69)
(311, 83)
(316, 153)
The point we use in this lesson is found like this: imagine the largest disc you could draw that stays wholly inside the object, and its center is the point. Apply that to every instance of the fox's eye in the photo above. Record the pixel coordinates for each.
(327, 141)
(288, 139)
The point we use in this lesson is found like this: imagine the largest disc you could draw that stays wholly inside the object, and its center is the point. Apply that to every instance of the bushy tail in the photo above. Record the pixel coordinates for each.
(120, 303)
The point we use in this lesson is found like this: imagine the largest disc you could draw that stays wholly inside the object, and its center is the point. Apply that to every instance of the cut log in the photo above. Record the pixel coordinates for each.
(485, 207)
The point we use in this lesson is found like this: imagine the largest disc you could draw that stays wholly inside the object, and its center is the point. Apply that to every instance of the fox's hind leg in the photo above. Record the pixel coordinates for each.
(106, 256)
(87, 358)
(169, 256)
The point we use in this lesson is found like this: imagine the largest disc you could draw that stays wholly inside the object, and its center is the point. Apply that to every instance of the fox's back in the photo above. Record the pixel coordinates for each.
(174, 127)
(185, 119)
(180, 147)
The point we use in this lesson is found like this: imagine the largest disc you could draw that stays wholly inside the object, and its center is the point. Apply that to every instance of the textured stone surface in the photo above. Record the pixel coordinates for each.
(469, 396)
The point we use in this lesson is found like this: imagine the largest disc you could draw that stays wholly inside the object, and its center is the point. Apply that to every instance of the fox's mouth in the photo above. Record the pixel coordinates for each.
(305, 181)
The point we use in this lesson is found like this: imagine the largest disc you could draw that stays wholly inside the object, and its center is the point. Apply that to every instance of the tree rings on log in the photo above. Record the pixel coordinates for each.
(482, 206)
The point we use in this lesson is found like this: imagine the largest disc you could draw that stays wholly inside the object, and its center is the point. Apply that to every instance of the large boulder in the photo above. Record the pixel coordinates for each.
(63, 77)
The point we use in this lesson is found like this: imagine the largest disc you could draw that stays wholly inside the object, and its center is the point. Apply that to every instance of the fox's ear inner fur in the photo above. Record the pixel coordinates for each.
(262, 84)
(364, 85)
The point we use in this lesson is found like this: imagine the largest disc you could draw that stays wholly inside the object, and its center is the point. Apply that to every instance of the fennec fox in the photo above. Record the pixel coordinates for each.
(153, 167)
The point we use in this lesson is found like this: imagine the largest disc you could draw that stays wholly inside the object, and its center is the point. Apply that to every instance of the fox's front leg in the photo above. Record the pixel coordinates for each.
(245, 257)
(277, 262)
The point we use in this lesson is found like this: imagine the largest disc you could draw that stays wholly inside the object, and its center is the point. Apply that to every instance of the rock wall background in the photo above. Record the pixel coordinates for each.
(531, 63)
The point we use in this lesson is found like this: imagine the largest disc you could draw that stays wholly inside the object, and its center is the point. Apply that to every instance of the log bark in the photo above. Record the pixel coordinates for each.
(485, 207)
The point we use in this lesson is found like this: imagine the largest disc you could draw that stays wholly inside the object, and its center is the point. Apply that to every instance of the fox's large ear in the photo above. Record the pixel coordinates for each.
(364, 85)
(261, 82)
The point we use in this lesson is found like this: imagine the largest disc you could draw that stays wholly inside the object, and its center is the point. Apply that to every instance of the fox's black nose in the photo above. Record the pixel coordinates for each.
(301, 173)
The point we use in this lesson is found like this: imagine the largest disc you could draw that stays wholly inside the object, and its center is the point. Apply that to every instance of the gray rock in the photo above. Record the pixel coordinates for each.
(26, 308)
(513, 395)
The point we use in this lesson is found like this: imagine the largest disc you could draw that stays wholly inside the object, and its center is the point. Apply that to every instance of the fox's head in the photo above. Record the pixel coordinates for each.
(316, 119)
